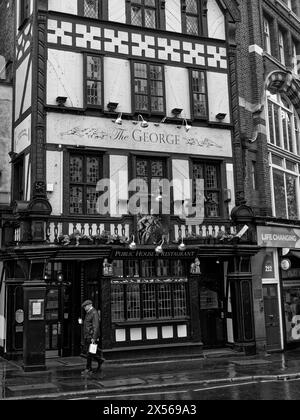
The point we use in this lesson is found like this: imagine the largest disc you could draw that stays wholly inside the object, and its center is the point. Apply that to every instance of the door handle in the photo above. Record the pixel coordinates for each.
(271, 316)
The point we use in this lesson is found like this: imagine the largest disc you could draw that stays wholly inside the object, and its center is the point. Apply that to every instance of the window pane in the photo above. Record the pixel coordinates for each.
(211, 177)
(191, 6)
(148, 268)
(76, 200)
(192, 26)
(91, 8)
(180, 306)
(136, 16)
(93, 170)
(131, 268)
(94, 93)
(279, 193)
(163, 268)
(76, 169)
(149, 301)
(150, 18)
(94, 70)
(291, 196)
(133, 302)
(157, 169)
(165, 301)
(91, 200)
(117, 303)
(271, 122)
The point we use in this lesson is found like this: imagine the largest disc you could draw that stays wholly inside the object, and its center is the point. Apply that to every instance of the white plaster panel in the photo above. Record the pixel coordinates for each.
(117, 11)
(28, 91)
(119, 176)
(181, 176)
(22, 135)
(65, 6)
(65, 77)
(145, 45)
(230, 185)
(102, 132)
(20, 82)
(230, 337)
(215, 20)
(54, 177)
(118, 83)
(91, 35)
(173, 16)
(177, 88)
(218, 96)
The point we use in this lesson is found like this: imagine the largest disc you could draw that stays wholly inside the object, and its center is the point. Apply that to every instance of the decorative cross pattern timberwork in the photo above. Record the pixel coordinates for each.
(24, 42)
(137, 44)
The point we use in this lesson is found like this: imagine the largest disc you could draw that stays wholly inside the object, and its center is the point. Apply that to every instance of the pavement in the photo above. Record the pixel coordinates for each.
(63, 380)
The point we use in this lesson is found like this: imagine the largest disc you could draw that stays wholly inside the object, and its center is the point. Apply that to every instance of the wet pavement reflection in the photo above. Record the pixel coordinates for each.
(229, 378)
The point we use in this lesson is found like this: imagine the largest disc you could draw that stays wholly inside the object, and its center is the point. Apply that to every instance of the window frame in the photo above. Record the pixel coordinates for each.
(149, 112)
(200, 19)
(123, 285)
(219, 165)
(281, 46)
(86, 79)
(159, 14)
(267, 35)
(283, 169)
(84, 184)
(150, 159)
(276, 102)
(194, 116)
(101, 9)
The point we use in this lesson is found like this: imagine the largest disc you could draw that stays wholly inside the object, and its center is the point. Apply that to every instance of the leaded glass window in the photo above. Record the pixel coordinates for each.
(148, 88)
(94, 80)
(151, 171)
(144, 13)
(84, 173)
(191, 16)
(91, 8)
(209, 173)
(199, 94)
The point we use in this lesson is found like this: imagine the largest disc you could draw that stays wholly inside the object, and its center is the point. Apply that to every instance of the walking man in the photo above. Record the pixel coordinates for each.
(91, 335)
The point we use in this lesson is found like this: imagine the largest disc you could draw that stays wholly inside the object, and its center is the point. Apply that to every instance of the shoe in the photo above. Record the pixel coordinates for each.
(86, 372)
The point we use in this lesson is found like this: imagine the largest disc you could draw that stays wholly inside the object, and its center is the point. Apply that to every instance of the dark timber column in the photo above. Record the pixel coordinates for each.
(194, 308)
(106, 323)
(38, 152)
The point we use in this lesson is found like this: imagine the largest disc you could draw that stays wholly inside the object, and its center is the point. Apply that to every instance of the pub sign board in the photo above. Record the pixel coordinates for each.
(149, 253)
(277, 237)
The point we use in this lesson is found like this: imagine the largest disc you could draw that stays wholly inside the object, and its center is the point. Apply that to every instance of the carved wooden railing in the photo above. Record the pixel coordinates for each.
(57, 226)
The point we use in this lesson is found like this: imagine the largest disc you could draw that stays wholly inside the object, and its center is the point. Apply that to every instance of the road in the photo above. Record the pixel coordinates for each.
(265, 390)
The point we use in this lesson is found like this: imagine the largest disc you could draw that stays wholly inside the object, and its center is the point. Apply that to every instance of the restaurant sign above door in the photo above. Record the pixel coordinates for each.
(278, 237)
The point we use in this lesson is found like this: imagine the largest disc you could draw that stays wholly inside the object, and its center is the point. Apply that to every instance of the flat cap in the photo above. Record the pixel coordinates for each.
(86, 302)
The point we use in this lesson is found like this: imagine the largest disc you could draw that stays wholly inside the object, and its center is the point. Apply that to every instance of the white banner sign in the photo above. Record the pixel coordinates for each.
(104, 133)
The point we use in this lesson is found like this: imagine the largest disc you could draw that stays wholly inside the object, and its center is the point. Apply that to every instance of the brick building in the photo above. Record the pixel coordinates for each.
(127, 90)
(269, 89)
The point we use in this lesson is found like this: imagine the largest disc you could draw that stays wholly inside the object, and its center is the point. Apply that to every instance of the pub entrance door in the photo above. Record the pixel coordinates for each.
(57, 321)
(212, 316)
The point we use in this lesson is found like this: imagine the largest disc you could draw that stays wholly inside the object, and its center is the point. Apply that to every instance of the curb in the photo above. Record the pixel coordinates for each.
(157, 387)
